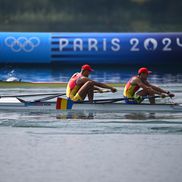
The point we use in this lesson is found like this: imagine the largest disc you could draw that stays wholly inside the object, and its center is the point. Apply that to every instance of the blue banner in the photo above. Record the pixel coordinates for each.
(93, 48)
(25, 47)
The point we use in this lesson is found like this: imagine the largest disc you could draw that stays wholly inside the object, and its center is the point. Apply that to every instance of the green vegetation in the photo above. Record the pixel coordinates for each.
(91, 15)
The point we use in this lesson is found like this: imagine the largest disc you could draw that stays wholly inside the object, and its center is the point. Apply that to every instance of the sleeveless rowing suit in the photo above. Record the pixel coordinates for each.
(72, 88)
(130, 92)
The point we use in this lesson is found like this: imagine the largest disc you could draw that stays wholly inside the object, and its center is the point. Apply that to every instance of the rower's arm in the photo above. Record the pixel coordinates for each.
(83, 80)
(102, 85)
(158, 89)
(162, 91)
(146, 87)
(140, 84)
(98, 89)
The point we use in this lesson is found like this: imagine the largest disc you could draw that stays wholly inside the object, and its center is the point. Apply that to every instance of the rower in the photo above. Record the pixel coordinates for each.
(133, 95)
(80, 86)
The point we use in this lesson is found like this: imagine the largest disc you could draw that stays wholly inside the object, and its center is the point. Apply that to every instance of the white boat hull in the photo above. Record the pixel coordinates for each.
(122, 107)
(13, 104)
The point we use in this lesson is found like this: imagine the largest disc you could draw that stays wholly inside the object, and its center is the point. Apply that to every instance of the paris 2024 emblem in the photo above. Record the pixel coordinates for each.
(22, 44)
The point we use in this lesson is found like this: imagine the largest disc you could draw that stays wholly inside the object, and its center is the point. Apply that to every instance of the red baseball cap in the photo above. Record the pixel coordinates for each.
(144, 70)
(87, 67)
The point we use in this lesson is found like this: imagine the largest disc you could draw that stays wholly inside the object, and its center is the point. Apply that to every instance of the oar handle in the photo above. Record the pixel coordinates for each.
(102, 91)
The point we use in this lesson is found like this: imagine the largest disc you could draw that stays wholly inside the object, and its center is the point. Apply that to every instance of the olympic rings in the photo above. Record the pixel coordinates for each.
(22, 43)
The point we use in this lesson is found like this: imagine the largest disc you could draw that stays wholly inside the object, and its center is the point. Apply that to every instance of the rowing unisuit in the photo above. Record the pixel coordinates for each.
(130, 88)
(80, 86)
(73, 87)
(132, 93)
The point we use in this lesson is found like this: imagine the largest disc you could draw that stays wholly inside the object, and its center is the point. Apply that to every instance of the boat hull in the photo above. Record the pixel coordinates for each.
(13, 104)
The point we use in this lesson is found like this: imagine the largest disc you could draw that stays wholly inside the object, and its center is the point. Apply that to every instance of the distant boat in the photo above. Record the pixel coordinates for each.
(13, 79)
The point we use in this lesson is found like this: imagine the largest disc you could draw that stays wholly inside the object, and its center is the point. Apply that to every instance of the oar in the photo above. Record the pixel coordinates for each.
(119, 99)
(29, 95)
(156, 96)
(102, 91)
(61, 94)
(49, 98)
(42, 99)
(43, 94)
(105, 100)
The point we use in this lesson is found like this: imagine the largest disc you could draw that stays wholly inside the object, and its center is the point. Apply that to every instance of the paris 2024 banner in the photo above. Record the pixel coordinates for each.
(92, 48)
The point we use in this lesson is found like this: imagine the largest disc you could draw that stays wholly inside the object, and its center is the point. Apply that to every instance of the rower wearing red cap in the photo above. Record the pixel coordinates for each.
(79, 85)
(132, 93)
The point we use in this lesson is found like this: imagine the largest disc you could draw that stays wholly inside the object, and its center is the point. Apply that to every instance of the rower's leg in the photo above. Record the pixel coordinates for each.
(144, 93)
(152, 100)
(91, 95)
(87, 89)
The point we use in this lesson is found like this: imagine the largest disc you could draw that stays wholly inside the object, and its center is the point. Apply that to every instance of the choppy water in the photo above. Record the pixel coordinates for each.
(92, 147)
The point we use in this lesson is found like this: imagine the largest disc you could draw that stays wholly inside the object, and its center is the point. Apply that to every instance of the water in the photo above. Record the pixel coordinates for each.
(92, 146)
(42, 154)
(62, 73)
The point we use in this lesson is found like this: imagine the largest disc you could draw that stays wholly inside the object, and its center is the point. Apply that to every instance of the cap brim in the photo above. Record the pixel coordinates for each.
(149, 72)
(91, 70)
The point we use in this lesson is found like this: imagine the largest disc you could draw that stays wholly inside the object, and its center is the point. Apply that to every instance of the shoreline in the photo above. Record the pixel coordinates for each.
(4, 84)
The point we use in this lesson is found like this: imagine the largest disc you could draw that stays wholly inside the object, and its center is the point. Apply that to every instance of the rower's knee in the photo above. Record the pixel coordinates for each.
(148, 93)
(90, 83)
(151, 94)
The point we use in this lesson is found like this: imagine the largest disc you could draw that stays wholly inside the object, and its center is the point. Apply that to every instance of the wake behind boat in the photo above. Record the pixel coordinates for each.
(103, 105)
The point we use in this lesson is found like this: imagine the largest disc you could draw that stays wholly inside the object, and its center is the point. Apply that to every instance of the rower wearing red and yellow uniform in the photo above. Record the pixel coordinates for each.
(79, 85)
(132, 93)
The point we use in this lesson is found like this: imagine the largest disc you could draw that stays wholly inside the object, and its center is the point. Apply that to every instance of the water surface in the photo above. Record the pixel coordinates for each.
(40, 146)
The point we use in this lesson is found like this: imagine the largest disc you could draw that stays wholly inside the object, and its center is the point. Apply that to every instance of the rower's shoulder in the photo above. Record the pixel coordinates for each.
(75, 74)
(135, 79)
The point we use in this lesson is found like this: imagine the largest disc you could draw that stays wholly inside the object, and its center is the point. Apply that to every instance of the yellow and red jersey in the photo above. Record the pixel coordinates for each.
(130, 88)
(72, 87)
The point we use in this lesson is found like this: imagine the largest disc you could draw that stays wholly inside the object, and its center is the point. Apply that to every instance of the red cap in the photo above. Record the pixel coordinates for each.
(144, 70)
(87, 67)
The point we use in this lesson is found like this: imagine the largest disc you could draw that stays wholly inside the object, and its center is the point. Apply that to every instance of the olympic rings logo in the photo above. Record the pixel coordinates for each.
(22, 43)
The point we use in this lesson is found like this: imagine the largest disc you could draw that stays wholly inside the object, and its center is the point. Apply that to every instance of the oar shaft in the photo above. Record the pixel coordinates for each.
(49, 98)
(42, 94)
(29, 95)
(106, 100)
(120, 99)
